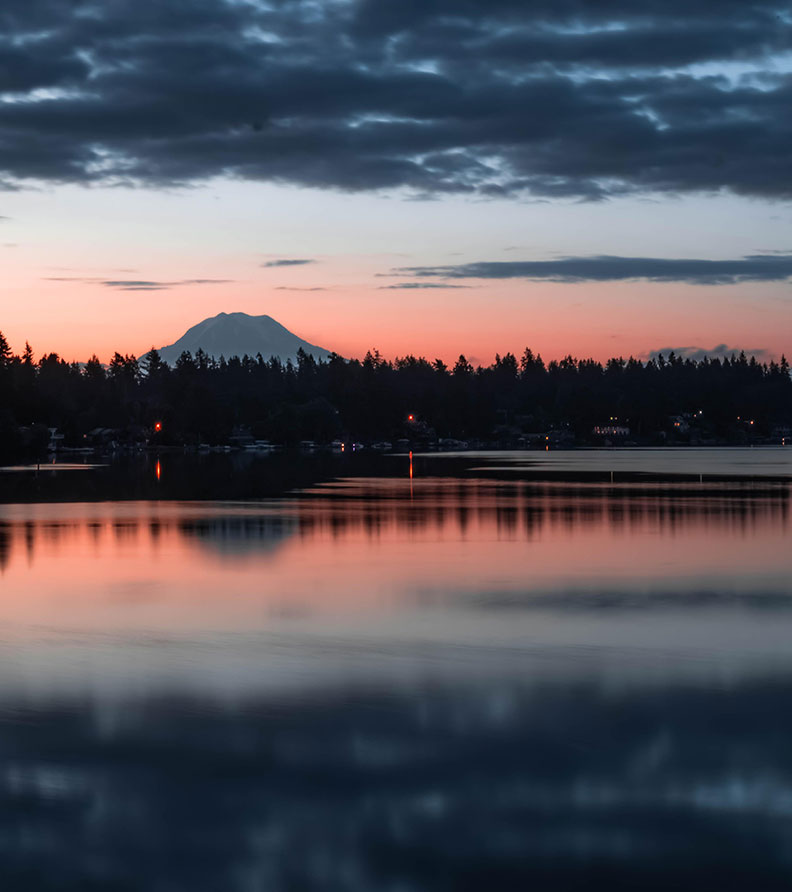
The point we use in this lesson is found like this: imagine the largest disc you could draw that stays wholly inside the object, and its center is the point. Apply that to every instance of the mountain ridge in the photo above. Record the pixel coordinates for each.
(237, 334)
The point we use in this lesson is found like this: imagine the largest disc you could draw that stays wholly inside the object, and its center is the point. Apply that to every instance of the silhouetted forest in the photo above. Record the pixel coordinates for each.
(511, 402)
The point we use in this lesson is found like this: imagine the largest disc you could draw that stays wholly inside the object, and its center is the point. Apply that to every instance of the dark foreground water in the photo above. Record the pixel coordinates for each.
(479, 677)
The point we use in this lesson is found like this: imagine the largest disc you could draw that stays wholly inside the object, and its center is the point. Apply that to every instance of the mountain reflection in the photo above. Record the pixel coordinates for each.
(234, 536)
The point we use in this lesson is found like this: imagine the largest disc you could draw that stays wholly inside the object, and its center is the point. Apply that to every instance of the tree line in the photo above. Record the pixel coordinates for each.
(203, 400)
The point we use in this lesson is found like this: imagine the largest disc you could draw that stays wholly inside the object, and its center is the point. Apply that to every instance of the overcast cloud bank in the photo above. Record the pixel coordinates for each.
(570, 98)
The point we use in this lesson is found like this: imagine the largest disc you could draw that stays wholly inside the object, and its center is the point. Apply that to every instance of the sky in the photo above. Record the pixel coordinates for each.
(417, 176)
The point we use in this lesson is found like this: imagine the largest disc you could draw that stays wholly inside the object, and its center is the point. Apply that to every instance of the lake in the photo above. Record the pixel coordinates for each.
(502, 671)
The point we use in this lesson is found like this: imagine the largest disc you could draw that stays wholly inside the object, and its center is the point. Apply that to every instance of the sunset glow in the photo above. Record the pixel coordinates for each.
(343, 302)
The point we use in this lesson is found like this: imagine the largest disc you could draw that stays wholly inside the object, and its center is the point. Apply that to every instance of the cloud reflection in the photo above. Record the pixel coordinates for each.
(433, 789)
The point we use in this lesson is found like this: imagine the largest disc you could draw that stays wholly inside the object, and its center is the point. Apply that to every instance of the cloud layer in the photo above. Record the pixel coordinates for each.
(136, 284)
(571, 98)
(720, 351)
(407, 286)
(607, 268)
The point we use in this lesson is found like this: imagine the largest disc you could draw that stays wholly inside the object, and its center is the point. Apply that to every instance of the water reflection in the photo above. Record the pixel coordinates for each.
(378, 684)
(367, 538)
(437, 506)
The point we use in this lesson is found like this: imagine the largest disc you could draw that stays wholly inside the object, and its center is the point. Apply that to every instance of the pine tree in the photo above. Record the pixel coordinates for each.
(5, 351)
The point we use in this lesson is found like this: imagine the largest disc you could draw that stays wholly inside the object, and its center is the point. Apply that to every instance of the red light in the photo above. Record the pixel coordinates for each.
(158, 470)
(158, 426)
(411, 417)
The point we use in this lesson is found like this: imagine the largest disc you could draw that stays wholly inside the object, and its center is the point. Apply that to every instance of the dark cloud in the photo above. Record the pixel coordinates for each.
(277, 263)
(290, 288)
(410, 285)
(606, 268)
(721, 351)
(143, 285)
(570, 98)
(137, 284)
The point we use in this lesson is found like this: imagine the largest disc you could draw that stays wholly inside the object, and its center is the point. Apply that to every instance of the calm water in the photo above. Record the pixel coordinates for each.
(475, 678)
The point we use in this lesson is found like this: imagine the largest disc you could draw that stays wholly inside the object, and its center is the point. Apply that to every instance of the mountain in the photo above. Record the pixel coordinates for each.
(235, 334)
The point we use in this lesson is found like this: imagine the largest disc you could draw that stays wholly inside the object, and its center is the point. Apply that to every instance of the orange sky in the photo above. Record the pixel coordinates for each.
(60, 245)
(596, 319)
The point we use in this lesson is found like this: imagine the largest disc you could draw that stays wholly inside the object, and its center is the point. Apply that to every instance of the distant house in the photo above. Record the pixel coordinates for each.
(448, 444)
(55, 439)
(101, 437)
(680, 423)
(611, 430)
